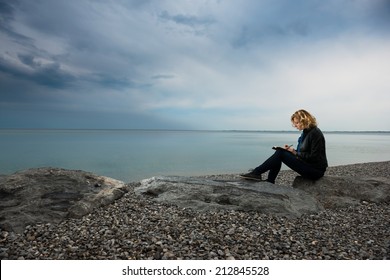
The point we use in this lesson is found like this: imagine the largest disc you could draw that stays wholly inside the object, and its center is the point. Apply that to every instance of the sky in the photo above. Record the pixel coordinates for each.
(194, 64)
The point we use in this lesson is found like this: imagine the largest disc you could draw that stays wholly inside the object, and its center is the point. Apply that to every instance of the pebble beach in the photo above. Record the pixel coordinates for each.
(139, 228)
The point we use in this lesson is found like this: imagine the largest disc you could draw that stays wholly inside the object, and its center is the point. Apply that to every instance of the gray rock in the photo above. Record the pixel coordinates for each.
(48, 195)
(208, 194)
(341, 191)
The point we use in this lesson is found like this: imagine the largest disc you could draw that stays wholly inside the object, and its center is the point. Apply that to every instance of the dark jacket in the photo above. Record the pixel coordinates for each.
(312, 148)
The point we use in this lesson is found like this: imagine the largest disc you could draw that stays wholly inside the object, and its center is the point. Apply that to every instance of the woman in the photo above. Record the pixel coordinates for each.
(309, 159)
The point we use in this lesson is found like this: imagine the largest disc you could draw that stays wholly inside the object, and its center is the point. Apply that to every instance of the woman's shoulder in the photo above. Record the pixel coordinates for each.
(314, 130)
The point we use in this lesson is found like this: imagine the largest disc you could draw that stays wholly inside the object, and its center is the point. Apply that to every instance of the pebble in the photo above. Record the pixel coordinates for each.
(139, 228)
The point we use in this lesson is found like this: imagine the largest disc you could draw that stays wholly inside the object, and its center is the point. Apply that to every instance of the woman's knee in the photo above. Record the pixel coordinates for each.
(288, 158)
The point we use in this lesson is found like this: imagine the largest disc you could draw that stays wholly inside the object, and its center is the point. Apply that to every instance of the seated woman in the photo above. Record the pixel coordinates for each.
(309, 159)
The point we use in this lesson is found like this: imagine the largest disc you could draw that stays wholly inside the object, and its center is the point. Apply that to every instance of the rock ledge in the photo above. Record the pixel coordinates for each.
(206, 194)
(343, 191)
(48, 195)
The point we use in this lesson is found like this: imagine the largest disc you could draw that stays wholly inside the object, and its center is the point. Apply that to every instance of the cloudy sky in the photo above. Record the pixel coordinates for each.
(194, 64)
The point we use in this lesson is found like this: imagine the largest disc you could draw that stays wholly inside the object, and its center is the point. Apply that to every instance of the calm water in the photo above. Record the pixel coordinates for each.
(131, 155)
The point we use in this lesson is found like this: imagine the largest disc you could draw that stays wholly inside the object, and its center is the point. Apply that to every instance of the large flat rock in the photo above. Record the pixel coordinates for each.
(342, 191)
(48, 195)
(207, 194)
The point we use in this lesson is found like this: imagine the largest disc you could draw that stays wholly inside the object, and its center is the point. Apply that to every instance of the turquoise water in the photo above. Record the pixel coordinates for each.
(131, 155)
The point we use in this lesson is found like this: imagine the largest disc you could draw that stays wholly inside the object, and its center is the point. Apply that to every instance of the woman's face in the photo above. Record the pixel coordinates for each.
(298, 125)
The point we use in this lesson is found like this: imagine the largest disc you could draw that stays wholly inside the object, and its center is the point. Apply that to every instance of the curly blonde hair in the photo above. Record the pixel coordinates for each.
(305, 118)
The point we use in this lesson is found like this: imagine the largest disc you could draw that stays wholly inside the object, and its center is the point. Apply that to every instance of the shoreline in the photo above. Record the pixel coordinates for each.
(285, 176)
(138, 228)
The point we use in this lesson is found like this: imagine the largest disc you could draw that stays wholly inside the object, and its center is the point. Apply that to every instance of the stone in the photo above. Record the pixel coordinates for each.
(207, 194)
(343, 191)
(49, 195)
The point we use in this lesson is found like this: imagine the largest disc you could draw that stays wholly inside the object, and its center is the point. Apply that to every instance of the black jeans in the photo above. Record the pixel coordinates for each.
(274, 163)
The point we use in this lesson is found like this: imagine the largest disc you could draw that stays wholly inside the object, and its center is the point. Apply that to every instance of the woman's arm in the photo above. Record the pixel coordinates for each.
(312, 147)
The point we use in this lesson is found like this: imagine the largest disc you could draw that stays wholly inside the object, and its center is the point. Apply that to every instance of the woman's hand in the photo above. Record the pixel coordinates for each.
(290, 149)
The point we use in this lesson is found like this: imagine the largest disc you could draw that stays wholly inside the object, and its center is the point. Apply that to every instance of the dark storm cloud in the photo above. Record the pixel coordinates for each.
(188, 60)
(117, 83)
(163, 76)
(6, 12)
(189, 20)
(49, 75)
(289, 21)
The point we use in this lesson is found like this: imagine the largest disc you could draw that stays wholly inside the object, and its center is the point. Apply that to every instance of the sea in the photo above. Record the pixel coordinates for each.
(133, 155)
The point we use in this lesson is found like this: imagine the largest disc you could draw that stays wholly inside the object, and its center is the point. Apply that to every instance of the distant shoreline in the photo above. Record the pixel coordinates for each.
(285, 177)
(193, 130)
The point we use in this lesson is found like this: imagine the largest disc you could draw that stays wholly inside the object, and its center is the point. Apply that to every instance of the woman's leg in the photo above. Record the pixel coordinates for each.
(274, 163)
(302, 168)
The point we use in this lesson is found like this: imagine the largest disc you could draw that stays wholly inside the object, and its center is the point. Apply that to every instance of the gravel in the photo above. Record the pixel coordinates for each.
(138, 228)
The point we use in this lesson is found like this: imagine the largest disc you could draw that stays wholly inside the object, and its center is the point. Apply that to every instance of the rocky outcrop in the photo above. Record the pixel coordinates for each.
(305, 196)
(342, 191)
(206, 194)
(48, 195)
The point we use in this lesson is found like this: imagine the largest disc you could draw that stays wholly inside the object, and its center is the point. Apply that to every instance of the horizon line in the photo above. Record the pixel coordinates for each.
(200, 130)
